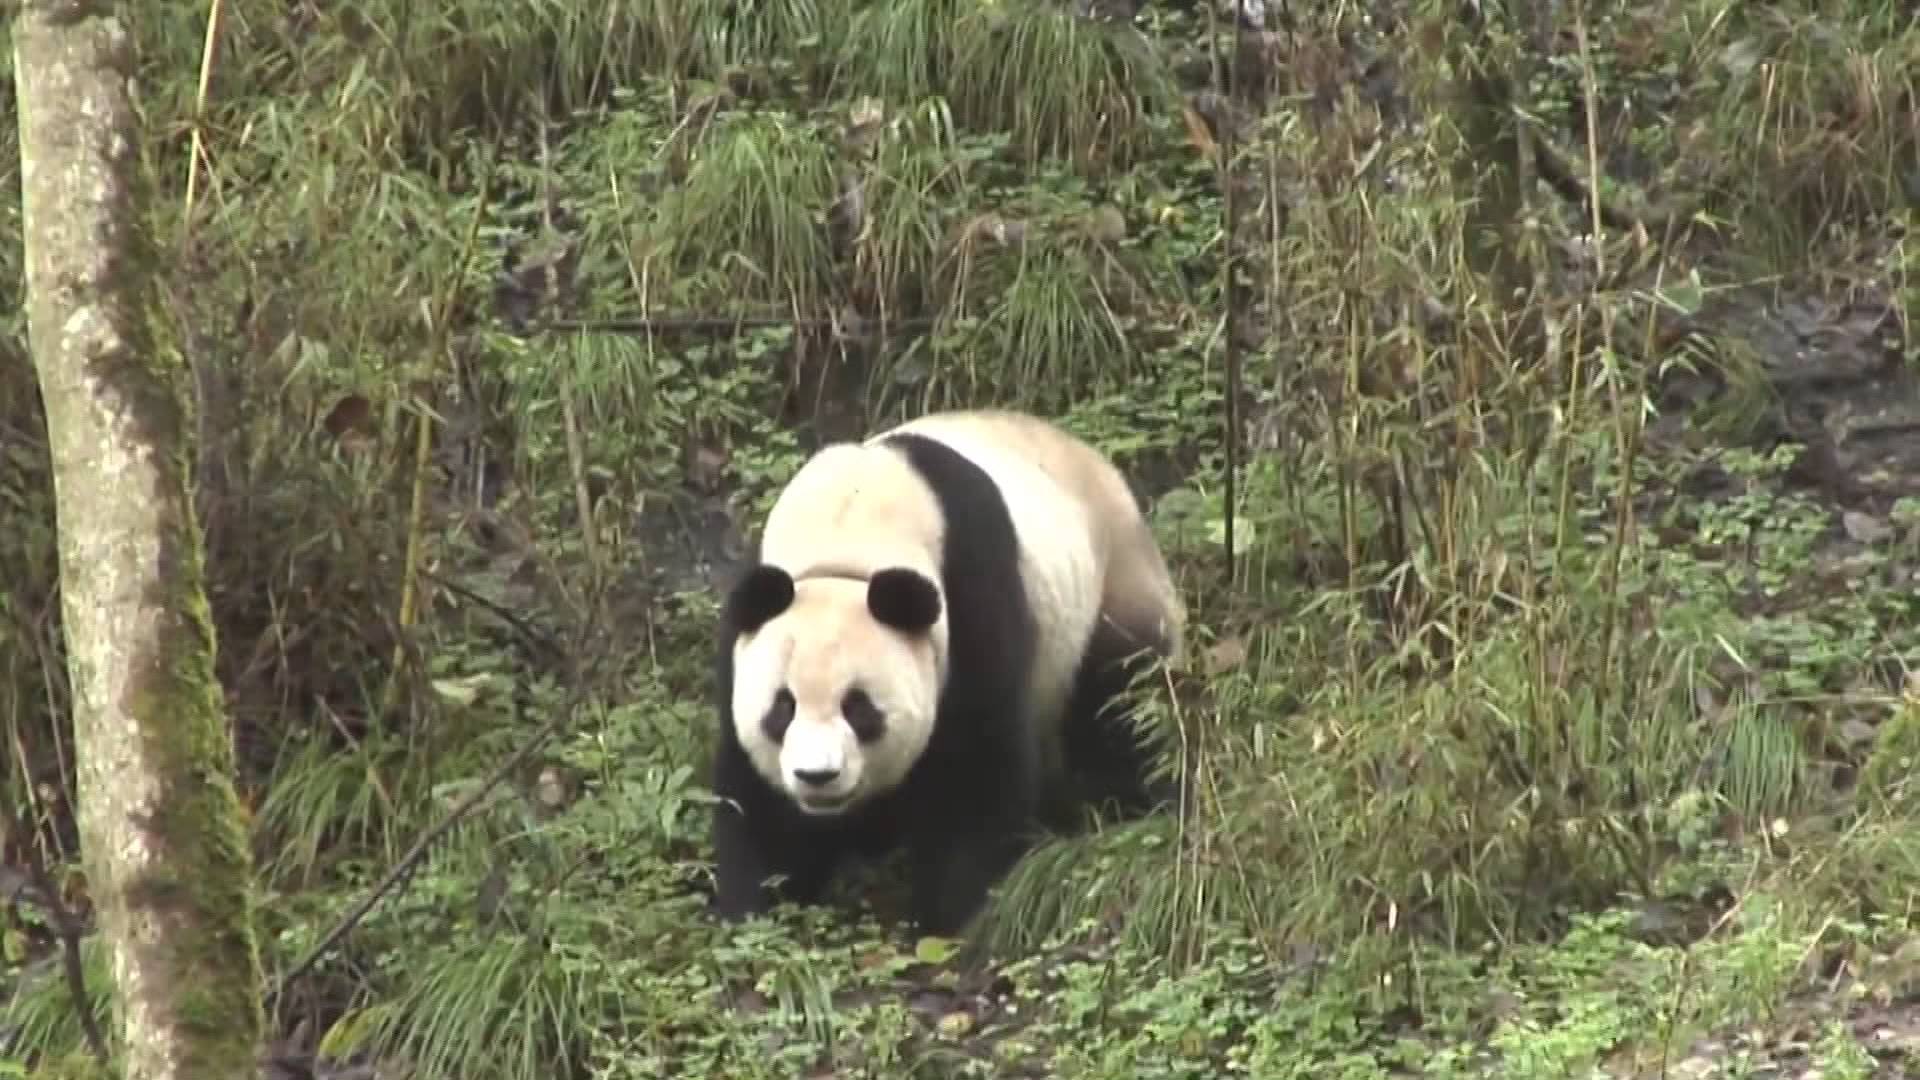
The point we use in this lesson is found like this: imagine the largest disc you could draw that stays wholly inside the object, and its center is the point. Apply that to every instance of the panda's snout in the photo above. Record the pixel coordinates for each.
(816, 777)
(819, 771)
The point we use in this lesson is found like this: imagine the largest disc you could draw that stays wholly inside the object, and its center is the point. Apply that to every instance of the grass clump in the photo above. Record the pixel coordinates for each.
(1043, 293)
(750, 221)
(916, 180)
(1819, 103)
(1102, 82)
(508, 1002)
(900, 52)
(1060, 86)
(1543, 722)
(1896, 753)
(1042, 316)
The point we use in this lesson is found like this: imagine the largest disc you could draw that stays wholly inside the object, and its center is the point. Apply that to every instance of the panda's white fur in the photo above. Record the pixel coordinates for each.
(848, 524)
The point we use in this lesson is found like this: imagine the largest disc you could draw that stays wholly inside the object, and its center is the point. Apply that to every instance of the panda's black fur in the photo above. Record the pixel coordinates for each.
(967, 806)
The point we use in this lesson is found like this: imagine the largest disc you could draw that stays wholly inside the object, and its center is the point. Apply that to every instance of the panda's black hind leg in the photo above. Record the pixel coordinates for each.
(1112, 764)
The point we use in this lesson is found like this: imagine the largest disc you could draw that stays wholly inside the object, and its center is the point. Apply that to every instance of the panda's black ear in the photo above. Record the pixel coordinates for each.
(762, 594)
(903, 599)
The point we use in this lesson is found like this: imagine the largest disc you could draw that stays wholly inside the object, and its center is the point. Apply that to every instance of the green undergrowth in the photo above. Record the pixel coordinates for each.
(834, 1000)
(1551, 720)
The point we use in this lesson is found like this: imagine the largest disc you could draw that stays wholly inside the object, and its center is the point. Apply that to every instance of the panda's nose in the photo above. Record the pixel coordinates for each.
(816, 777)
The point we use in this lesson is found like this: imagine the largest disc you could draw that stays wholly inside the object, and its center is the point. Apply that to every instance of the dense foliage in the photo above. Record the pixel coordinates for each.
(1557, 711)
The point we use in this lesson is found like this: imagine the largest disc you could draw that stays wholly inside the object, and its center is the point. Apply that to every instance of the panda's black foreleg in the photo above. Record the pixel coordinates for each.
(954, 871)
(754, 868)
(757, 838)
(968, 831)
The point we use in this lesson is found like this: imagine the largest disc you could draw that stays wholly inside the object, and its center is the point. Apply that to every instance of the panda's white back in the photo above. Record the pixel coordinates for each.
(1062, 561)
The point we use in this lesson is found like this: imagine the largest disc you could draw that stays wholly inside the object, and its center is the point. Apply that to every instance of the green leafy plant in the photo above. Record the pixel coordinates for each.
(1553, 715)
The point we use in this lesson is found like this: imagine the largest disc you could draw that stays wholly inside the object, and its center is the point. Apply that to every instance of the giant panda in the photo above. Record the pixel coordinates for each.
(924, 648)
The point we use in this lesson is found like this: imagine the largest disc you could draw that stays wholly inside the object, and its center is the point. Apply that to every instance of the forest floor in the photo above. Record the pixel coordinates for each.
(1558, 715)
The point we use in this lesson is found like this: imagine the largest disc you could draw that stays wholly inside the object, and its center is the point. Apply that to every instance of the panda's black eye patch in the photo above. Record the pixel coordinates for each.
(779, 717)
(863, 716)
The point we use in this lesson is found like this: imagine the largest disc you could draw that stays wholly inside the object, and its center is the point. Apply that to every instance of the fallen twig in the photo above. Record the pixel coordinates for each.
(35, 887)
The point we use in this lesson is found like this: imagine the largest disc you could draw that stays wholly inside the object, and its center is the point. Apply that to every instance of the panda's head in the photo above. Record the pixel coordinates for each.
(836, 680)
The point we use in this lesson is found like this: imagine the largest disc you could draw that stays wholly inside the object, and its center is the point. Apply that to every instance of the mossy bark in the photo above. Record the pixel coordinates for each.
(161, 828)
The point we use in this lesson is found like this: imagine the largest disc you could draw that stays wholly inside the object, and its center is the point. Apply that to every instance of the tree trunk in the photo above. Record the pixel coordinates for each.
(166, 852)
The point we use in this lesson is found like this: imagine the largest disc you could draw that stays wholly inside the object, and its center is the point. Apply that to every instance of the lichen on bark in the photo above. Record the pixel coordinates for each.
(161, 828)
